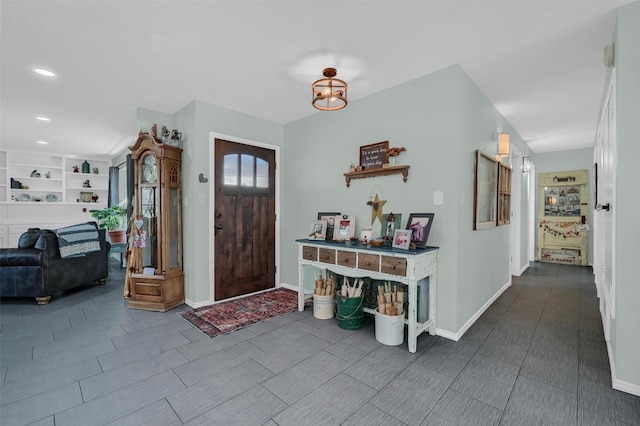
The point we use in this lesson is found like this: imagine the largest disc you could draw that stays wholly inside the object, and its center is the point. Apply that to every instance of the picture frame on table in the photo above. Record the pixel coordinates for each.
(344, 227)
(401, 239)
(318, 230)
(390, 222)
(419, 224)
(330, 217)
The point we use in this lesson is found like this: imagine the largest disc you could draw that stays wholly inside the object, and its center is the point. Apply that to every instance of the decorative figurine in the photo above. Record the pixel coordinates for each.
(165, 134)
(35, 174)
(86, 184)
(76, 169)
(48, 175)
(176, 137)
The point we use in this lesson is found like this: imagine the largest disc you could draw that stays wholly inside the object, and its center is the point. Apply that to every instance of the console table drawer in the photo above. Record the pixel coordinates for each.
(310, 253)
(369, 262)
(347, 258)
(393, 266)
(327, 255)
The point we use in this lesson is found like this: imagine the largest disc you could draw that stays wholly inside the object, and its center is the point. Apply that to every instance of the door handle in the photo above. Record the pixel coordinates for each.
(601, 207)
(219, 226)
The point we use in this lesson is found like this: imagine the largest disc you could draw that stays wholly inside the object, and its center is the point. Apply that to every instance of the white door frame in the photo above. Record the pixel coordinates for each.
(531, 213)
(212, 208)
(516, 214)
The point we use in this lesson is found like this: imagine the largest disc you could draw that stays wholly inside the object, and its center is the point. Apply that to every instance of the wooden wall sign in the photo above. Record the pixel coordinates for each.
(373, 156)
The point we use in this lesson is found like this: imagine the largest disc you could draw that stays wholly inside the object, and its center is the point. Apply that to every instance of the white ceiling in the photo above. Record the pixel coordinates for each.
(540, 62)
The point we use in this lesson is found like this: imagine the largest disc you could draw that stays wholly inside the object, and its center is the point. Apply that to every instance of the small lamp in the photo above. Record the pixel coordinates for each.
(329, 93)
(503, 146)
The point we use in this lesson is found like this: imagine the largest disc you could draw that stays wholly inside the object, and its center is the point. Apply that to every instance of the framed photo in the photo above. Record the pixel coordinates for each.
(330, 217)
(485, 193)
(390, 222)
(401, 239)
(344, 227)
(419, 224)
(318, 230)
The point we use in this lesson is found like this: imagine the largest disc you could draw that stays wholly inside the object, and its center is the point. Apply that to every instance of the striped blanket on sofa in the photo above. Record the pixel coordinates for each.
(76, 240)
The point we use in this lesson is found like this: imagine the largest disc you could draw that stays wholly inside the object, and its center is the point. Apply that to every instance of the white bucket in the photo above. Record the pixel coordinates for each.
(323, 306)
(389, 329)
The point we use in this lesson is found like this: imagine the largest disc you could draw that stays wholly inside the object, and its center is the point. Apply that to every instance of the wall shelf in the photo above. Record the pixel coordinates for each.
(378, 172)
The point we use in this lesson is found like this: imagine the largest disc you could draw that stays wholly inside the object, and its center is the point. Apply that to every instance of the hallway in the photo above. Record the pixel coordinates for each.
(536, 356)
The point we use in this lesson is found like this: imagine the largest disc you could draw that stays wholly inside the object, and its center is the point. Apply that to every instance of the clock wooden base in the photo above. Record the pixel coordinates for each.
(158, 293)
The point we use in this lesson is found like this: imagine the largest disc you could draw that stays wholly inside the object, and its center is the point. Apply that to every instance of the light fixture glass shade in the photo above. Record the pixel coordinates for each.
(503, 144)
(329, 93)
(527, 165)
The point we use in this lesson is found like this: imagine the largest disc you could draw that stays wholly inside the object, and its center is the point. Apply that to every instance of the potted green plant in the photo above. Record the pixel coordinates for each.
(111, 219)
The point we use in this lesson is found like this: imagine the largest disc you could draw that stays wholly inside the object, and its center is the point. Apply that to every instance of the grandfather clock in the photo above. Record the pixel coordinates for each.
(156, 276)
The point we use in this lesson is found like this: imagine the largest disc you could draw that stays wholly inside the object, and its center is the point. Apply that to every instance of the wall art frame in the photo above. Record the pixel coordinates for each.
(485, 191)
(374, 156)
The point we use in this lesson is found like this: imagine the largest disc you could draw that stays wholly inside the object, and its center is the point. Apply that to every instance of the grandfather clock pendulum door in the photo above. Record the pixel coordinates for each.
(157, 279)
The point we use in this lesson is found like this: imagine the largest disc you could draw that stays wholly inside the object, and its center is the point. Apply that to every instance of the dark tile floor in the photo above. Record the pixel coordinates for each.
(537, 356)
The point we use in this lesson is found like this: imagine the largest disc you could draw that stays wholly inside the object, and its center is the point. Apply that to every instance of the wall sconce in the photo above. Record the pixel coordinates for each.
(503, 146)
(527, 165)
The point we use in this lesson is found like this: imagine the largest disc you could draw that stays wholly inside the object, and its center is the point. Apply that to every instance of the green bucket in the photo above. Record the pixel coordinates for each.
(349, 312)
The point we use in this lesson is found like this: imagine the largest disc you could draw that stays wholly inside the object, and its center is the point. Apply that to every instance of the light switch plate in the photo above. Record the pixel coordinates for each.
(438, 198)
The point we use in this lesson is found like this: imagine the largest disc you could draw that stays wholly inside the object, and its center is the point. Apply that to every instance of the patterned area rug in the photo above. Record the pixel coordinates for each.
(225, 317)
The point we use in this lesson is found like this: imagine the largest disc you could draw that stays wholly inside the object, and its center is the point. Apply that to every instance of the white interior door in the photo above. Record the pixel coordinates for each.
(605, 202)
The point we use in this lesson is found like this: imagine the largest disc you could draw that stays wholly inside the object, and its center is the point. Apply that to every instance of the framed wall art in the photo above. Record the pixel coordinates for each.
(401, 239)
(344, 227)
(330, 217)
(318, 230)
(390, 222)
(374, 156)
(485, 190)
(420, 225)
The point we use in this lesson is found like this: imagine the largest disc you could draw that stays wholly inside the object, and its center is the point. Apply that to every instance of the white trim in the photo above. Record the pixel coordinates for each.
(516, 213)
(458, 335)
(212, 137)
(616, 383)
(524, 268)
(531, 214)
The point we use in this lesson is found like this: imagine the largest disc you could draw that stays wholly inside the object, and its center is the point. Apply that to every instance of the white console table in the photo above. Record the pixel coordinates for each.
(380, 263)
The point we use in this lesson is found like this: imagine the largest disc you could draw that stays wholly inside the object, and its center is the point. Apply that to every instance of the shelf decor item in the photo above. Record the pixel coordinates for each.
(420, 224)
(86, 167)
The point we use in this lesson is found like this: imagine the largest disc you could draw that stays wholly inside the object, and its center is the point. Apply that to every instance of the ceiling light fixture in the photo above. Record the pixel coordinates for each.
(329, 93)
(42, 118)
(43, 142)
(44, 72)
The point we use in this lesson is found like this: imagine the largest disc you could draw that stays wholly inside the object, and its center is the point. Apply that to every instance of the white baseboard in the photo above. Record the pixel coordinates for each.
(458, 335)
(524, 268)
(616, 383)
(195, 305)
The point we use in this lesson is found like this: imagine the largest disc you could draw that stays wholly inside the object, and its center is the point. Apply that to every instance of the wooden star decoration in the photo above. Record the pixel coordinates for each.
(376, 209)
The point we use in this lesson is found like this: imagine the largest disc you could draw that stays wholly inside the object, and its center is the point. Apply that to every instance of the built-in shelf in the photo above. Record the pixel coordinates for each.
(392, 170)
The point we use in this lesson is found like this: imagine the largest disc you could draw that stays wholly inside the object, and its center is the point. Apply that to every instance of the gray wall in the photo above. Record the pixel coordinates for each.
(441, 119)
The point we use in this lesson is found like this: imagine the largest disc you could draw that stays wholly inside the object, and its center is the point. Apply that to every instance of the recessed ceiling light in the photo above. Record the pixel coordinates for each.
(44, 72)
(43, 142)
(42, 118)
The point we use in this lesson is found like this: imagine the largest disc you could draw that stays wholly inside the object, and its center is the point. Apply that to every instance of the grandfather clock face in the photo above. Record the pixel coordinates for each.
(149, 169)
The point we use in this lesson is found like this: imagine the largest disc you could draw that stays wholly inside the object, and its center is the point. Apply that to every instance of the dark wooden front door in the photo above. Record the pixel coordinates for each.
(244, 218)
